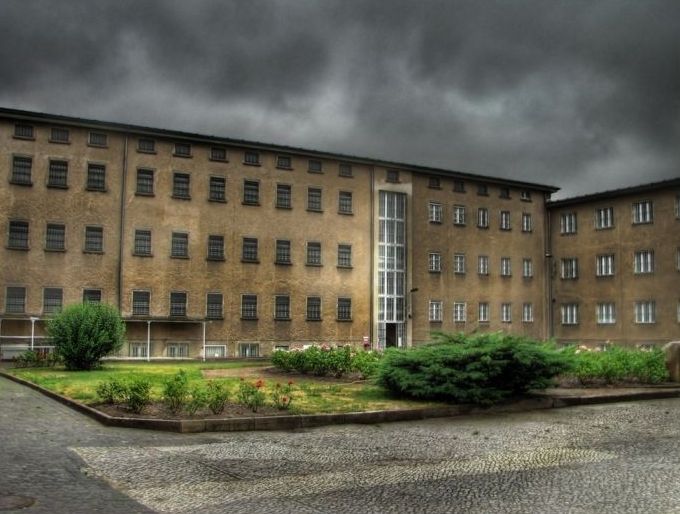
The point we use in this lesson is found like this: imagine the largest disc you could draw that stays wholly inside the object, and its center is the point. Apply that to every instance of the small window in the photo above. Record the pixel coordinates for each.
(282, 307)
(249, 306)
(283, 196)
(284, 162)
(178, 304)
(527, 268)
(434, 183)
(459, 215)
(528, 312)
(459, 186)
(605, 265)
(251, 158)
(568, 223)
(569, 268)
(146, 146)
(142, 243)
(345, 170)
(434, 212)
(92, 296)
(505, 220)
(506, 267)
(506, 313)
(251, 192)
(483, 217)
(643, 212)
(57, 174)
(606, 313)
(483, 312)
(527, 222)
(182, 150)
(94, 240)
(313, 308)
(246, 350)
(145, 182)
(459, 263)
(218, 189)
(315, 166)
(15, 300)
(604, 218)
(569, 313)
(21, 170)
(644, 261)
(177, 350)
(55, 237)
(483, 265)
(344, 256)
(504, 192)
(218, 153)
(96, 177)
(525, 196)
(282, 251)
(180, 245)
(392, 176)
(482, 190)
(215, 248)
(59, 135)
(344, 309)
(435, 262)
(18, 235)
(345, 202)
(459, 312)
(22, 131)
(140, 303)
(314, 199)
(435, 311)
(181, 186)
(97, 139)
(214, 306)
(313, 254)
(53, 299)
(249, 251)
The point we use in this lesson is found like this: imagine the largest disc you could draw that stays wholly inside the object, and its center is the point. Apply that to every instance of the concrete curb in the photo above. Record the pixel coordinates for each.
(538, 401)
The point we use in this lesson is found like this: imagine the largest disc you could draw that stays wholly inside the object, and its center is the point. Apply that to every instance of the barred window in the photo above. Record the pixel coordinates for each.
(644, 261)
(313, 199)
(506, 267)
(142, 242)
(284, 162)
(140, 303)
(282, 307)
(483, 312)
(218, 153)
(604, 218)
(59, 135)
(251, 192)
(214, 306)
(144, 181)
(282, 251)
(643, 212)
(178, 303)
(97, 139)
(246, 350)
(459, 215)
(283, 196)
(344, 309)
(218, 189)
(605, 265)
(180, 245)
(459, 263)
(313, 308)
(21, 170)
(18, 235)
(249, 306)
(527, 222)
(483, 217)
(94, 239)
(527, 268)
(249, 249)
(569, 268)
(15, 300)
(53, 298)
(315, 166)
(215, 248)
(569, 313)
(345, 202)
(182, 150)
(314, 254)
(252, 158)
(506, 313)
(528, 312)
(345, 170)
(435, 310)
(434, 212)
(606, 313)
(55, 237)
(505, 220)
(92, 296)
(96, 177)
(483, 264)
(568, 223)
(57, 174)
(435, 262)
(23, 131)
(345, 256)
(146, 145)
(181, 183)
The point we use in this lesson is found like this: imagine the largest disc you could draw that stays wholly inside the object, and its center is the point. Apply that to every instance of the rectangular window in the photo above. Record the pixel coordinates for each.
(214, 306)
(144, 182)
(482, 190)
(483, 312)
(284, 162)
(345, 170)
(21, 170)
(604, 218)
(178, 303)
(605, 265)
(483, 217)
(94, 239)
(218, 153)
(142, 242)
(96, 177)
(645, 311)
(506, 267)
(643, 212)
(459, 263)
(15, 300)
(314, 254)
(181, 186)
(249, 306)
(59, 135)
(527, 312)
(283, 196)
(505, 220)
(606, 313)
(18, 235)
(568, 223)
(247, 350)
(138, 350)
(283, 251)
(140, 303)
(315, 166)
(435, 212)
(435, 262)
(23, 131)
(644, 261)
(525, 196)
(313, 308)
(434, 183)
(55, 237)
(527, 222)
(527, 268)
(569, 268)
(504, 192)
(313, 199)
(53, 298)
(92, 296)
(282, 307)
(57, 174)
(180, 245)
(215, 248)
(345, 202)
(483, 264)
(569, 313)
(459, 186)
(177, 350)
(344, 256)
(249, 253)
(97, 139)
(146, 145)
(392, 176)
(506, 312)
(182, 150)
(251, 158)
(459, 215)
(435, 310)
(459, 312)
(218, 189)
(251, 192)
(344, 309)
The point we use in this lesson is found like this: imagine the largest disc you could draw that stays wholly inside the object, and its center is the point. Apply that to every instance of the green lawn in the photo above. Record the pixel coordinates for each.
(311, 395)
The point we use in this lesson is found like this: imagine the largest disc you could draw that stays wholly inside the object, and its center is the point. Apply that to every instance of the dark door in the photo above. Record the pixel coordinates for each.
(390, 335)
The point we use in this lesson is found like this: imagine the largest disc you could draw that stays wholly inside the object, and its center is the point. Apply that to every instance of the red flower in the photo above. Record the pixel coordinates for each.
(259, 383)
(290, 382)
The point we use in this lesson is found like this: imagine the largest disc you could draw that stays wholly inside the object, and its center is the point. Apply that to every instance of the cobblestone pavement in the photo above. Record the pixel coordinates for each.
(615, 458)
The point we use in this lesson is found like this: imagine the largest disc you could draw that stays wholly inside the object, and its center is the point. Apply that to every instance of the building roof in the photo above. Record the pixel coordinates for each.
(613, 193)
(202, 138)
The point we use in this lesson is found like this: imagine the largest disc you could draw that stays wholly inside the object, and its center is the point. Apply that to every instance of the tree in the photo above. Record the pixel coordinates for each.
(84, 333)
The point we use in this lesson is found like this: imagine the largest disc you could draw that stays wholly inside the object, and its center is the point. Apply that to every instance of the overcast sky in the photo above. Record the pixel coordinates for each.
(584, 95)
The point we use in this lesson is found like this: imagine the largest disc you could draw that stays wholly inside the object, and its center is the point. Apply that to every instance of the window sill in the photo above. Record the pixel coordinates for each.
(142, 254)
(18, 248)
(435, 272)
(182, 156)
(178, 316)
(505, 229)
(92, 145)
(215, 259)
(315, 172)
(96, 190)
(182, 257)
(313, 320)
(214, 318)
(435, 222)
(315, 210)
(181, 197)
(313, 265)
(249, 319)
(483, 227)
(343, 320)
(153, 152)
(346, 176)
(434, 187)
(25, 138)
(459, 225)
(527, 231)
(604, 228)
(141, 193)
(282, 319)
(643, 223)
(94, 252)
(217, 200)
(344, 266)
(346, 213)
(250, 261)
(251, 163)
(56, 186)
(284, 207)
(18, 183)
(213, 159)
(287, 168)
(251, 204)
(482, 194)
(55, 250)
(526, 200)
(283, 263)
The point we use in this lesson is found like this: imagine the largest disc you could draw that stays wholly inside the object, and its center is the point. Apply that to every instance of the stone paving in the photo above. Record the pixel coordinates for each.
(615, 458)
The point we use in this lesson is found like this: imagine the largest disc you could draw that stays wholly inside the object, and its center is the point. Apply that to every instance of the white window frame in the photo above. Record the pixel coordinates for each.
(435, 310)
(569, 268)
(459, 263)
(604, 265)
(506, 267)
(645, 312)
(483, 312)
(506, 312)
(527, 222)
(459, 215)
(483, 217)
(505, 220)
(643, 262)
(459, 312)
(606, 313)
(435, 211)
(527, 312)
(568, 223)
(569, 313)
(604, 218)
(434, 260)
(527, 268)
(483, 264)
(643, 212)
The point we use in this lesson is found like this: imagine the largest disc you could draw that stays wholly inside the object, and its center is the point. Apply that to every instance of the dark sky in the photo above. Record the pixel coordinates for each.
(584, 95)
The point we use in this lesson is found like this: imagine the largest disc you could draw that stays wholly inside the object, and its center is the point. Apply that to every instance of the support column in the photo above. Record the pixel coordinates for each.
(33, 320)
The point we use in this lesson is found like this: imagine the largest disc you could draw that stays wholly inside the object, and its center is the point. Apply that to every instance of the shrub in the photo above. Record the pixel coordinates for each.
(84, 333)
(618, 365)
(251, 394)
(325, 360)
(27, 359)
(138, 395)
(217, 396)
(111, 391)
(282, 396)
(481, 369)
(176, 391)
(197, 400)
(366, 363)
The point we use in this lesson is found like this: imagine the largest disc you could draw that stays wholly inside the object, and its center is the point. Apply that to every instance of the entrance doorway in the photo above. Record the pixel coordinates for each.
(391, 340)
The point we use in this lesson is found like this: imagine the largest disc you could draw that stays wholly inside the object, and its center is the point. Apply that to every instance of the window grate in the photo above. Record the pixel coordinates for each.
(18, 235)
(142, 242)
(52, 300)
(15, 302)
(57, 174)
(178, 304)
(251, 192)
(216, 248)
(96, 177)
(21, 170)
(54, 237)
(94, 239)
(249, 249)
(214, 306)
(144, 181)
(314, 308)
(181, 186)
(218, 189)
(140, 303)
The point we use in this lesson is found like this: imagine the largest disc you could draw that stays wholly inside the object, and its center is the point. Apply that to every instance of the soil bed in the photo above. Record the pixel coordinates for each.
(157, 410)
(272, 373)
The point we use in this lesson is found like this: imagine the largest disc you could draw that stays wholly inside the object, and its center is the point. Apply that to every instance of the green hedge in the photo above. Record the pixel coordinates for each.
(618, 365)
(325, 360)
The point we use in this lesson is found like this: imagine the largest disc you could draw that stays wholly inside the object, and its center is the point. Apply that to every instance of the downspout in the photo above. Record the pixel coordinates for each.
(122, 224)
(372, 271)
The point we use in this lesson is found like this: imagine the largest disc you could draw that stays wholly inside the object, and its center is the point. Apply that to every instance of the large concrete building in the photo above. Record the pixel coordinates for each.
(214, 247)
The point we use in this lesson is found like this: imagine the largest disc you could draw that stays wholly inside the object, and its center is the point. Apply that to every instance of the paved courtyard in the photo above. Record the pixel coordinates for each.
(609, 458)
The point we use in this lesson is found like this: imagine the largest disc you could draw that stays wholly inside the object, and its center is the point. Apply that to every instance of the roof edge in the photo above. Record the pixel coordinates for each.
(612, 193)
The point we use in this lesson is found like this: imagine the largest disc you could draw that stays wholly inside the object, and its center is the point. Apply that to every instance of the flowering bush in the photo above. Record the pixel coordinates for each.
(325, 360)
(217, 396)
(616, 364)
(282, 396)
(251, 394)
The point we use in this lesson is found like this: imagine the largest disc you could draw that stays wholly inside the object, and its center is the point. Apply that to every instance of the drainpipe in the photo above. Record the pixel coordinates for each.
(372, 271)
(122, 224)
(148, 341)
(203, 341)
